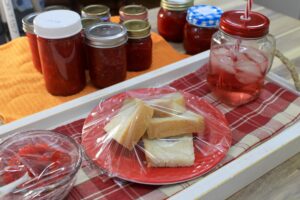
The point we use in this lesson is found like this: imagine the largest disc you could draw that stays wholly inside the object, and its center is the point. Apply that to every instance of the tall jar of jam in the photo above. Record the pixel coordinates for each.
(202, 23)
(139, 45)
(61, 51)
(106, 53)
(171, 19)
(241, 54)
(28, 28)
(133, 12)
(98, 11)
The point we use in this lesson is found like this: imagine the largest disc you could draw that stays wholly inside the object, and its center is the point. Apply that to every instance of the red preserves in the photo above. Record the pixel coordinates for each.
(61, 51)
(106, 53)
(31, 36)
(202, 23)
(197, 39)
(139, 45)
(107, 66)
(63, 64)
(171, 19)
(170, 24)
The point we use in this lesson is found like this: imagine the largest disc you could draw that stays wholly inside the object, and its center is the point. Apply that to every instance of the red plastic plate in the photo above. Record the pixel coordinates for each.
(210, 147)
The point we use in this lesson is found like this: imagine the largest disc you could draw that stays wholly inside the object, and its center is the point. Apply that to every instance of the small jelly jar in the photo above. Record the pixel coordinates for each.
(61, 51)
(28, 28)
(171, 19)
(139, 45)
(106, 53)
(241, 54)
(202, 23)
(56, 7)
(133, 12)
(98, 11)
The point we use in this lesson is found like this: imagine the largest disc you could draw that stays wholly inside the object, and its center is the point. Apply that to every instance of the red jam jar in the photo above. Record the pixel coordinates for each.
(61, 51)
(106, 53)
(27, 22)
(139, 45)
(202, 23)
(99, 11)
(171, 19)
(130, 12)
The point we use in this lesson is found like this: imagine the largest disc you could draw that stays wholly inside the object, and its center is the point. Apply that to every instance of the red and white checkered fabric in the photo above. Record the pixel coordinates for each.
(251, 124)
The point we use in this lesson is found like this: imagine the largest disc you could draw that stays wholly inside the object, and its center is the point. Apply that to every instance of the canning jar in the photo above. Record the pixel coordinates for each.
(98, 11)
(133, 12)
(139, 45)
(171, 19)
(202, 23)
(106, 53)
(28, 28)
(241, 55)
(61, 51)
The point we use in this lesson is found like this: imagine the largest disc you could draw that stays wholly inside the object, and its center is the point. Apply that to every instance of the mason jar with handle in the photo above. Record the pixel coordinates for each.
(241, 54)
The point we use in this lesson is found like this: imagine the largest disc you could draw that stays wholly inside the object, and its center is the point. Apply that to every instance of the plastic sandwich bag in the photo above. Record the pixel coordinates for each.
(155, 136)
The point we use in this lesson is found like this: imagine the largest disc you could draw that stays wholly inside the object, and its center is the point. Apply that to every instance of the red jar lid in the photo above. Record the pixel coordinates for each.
(233, 23)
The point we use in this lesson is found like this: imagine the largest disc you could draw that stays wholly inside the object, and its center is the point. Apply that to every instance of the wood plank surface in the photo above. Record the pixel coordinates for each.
(283, 182)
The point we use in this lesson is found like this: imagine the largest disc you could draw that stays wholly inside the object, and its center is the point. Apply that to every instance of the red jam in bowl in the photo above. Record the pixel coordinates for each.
(33, 162)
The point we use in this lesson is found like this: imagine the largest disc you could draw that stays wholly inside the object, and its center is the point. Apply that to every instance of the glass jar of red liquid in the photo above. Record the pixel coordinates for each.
(202, 23)
(241, 55)
(133, 12)
(99, 11)
(61, 51)
(106, 53)
(28, 28)
(171, 19)
(139, 45)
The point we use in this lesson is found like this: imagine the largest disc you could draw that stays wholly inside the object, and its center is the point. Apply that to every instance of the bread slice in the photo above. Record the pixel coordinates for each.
(130, 124)
(168, 105)
(187, 122)
(175, 151)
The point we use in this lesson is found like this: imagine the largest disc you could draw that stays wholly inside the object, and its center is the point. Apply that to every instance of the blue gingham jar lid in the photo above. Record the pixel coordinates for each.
(204, 15)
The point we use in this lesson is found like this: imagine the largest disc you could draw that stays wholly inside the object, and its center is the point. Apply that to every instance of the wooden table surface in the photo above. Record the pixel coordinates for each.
(283, 182)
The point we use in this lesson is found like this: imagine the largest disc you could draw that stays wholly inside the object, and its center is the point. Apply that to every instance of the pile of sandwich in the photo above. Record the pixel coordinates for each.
(164, 125)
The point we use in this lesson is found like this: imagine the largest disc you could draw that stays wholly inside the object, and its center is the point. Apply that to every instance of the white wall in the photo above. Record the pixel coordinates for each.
(288, 7)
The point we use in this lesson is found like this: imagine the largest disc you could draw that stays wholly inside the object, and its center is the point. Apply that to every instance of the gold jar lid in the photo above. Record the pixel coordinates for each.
(96, 10)
(176, 5)
(137, 28)
(133, 10)
(56, 7)
(87, 21)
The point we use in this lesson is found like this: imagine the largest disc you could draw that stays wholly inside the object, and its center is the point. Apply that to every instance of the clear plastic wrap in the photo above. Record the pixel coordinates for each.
(155, 136)
(38, 165)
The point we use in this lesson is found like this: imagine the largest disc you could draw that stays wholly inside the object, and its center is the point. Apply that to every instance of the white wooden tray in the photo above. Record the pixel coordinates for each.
(217, 185)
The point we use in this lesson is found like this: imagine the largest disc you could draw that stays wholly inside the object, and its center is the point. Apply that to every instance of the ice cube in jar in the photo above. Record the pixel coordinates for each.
(34, 161)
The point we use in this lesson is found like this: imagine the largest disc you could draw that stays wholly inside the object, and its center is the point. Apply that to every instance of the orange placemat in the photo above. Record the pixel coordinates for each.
(22, 89)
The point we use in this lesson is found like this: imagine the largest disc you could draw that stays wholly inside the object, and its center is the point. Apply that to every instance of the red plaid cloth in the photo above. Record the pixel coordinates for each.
(251, 124)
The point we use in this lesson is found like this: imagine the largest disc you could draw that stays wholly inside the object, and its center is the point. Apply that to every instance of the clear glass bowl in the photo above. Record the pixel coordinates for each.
(38, 164)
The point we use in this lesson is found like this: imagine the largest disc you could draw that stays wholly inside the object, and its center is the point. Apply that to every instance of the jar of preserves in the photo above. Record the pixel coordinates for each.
(241, 55)
(98, 11)
(133, 12)
(61, 51)
(139, 45)
(202, 23)
(106, 53)
(56, 7)
(171, 19)
(28, 28)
